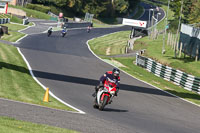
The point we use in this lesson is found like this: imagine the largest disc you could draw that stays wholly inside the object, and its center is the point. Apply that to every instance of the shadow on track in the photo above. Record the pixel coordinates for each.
(80, 80)
(114, 110)
(93, 82)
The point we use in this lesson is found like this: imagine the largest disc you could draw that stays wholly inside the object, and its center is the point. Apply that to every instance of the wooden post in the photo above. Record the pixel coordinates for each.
(172, 41)
(168, 38)
(197, 53)
(154, 34)
(180, 49)
(177, 44)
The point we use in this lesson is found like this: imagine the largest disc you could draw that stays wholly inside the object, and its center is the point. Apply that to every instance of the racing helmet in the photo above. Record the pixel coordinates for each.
(50, 28)
(116, 72)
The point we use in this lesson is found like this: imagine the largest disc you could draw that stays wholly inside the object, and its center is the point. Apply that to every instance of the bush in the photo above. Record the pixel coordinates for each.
(44, 9)
(16, 19)
(55, 10)
(33, 13)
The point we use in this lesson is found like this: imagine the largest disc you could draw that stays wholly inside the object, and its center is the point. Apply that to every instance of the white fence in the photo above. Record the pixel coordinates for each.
(188, 82)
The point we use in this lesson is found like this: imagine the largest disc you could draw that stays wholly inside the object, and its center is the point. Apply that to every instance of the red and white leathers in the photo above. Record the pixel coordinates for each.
(110, 79)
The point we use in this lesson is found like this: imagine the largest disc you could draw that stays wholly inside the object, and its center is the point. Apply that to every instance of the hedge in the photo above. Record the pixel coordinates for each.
(44, 9)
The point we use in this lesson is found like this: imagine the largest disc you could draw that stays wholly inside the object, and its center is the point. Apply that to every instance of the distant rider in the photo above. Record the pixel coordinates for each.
(50, 30)
(89, 27)
(64, 30)
(112, 77)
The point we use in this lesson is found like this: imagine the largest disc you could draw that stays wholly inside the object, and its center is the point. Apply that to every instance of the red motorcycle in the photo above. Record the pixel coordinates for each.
(105, 95)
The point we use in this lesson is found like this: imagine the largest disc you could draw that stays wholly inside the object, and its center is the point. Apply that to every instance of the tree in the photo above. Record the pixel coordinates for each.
(194, 17)
(103, 8)
(121, 6)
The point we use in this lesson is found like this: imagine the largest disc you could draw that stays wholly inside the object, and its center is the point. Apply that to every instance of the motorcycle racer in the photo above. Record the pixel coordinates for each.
(112, 78)
(50, 30)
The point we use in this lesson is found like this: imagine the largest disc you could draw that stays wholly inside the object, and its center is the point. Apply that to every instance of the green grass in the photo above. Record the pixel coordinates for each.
(98, 23)
(16, 19)
(33, 13)
(12, 18)
(154, 48)
(14, 27)
(15, 80)
(30, 24)
(10, 125)
(116, 43)
(13, 34)
(4, 15)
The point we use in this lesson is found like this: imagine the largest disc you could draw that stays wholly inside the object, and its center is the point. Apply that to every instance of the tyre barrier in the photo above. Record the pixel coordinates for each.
(4, 20)
(188, 82)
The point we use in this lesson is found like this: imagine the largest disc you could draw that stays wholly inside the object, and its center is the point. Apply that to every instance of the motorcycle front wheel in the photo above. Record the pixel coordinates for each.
(103, 103)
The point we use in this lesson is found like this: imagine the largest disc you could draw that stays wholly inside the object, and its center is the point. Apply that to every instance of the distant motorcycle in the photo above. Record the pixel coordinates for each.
(88, 29)
(49, 33)
(104, 96)
(63, 33)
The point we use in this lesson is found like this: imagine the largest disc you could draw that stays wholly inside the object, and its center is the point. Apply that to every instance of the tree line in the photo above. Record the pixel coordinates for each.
(100, 8)
(190, 12)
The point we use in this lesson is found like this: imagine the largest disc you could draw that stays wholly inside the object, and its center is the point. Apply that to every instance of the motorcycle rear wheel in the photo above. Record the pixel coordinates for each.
(103, 103)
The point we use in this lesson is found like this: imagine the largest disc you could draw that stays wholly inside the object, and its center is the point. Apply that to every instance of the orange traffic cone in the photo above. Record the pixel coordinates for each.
(46, 96)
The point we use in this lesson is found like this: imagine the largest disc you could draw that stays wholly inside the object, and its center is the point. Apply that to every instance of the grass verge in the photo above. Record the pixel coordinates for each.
(15, 80)
(13, 34)
(33, 13)
(10, 125)
(111, 44)
(154, 48)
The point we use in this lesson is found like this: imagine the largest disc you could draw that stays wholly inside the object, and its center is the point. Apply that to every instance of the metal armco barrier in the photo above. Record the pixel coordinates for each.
(4, 20)
(178, 77)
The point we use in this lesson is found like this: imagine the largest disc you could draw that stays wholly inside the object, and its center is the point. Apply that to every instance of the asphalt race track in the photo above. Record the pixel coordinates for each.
(71, 71)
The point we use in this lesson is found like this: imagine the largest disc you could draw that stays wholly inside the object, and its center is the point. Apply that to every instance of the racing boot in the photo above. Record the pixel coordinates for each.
(96, 90)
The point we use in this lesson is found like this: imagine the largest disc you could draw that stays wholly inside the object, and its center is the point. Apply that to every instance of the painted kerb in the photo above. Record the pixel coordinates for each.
(188, 82)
